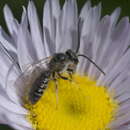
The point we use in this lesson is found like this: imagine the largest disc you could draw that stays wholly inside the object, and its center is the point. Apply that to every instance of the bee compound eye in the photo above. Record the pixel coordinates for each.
(61, 57)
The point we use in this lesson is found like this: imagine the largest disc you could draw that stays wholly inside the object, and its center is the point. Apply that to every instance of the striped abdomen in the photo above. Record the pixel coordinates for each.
(39, 87)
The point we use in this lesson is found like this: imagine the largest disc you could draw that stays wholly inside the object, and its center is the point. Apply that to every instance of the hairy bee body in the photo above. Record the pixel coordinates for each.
(36, 77)
(38, 87)
(59, 63)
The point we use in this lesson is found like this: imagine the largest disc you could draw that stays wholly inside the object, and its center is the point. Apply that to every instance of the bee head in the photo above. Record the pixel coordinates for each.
(72, 56)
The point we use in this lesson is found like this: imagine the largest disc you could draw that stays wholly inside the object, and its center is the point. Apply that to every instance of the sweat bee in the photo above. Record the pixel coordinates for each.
(37, 75)
(59, 63)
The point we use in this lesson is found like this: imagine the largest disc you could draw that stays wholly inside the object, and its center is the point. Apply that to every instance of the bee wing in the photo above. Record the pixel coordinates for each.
(28, 77)
(41, 63)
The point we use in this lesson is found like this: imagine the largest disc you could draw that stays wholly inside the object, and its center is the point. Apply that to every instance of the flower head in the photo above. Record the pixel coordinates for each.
(91, 100)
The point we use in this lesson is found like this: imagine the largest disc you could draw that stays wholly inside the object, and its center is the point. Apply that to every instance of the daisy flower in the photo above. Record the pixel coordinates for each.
(92, 100)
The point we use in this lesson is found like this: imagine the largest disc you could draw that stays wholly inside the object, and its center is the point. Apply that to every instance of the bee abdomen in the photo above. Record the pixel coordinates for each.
(38, 88)
(36, 95)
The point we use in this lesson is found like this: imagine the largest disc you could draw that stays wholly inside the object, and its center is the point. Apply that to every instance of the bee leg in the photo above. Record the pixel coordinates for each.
(62, 77)
(56, 88)
(71, 77)
(70, 73)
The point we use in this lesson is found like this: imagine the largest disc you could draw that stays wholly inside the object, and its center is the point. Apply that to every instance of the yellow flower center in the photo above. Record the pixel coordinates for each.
(81, 105)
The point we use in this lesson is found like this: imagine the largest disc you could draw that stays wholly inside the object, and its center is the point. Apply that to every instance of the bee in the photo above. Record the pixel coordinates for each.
(59, 63)
(37, 75)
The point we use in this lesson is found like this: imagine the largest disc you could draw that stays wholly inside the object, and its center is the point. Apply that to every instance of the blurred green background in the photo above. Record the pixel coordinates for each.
(16, 5)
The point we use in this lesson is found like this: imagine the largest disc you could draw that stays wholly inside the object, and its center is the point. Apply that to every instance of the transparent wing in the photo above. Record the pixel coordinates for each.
(28, 77)
(41, 63)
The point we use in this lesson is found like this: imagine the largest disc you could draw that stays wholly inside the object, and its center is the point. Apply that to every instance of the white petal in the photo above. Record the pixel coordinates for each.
(123, 109)
(123, 88)
(24, 16)
(7, 117)
(10, 106)
(13, 94)
(121, 83)
(18, 120)
(115, 15)
(19, 127)
(50, 15)
(9, 73)
(67, 34)
(13, 91)
(36, 31)
(119, 37)
(120, 121)
(87, 36)
(12, 23)
(6, 61)
(26, 51)
(7, 41)
(3, 119)
(120, 66)
(85, 10)
(125, 127)
(103, 41)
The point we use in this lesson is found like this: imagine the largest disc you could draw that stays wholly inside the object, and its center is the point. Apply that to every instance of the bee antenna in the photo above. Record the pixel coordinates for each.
(79, 24)
(92, 63)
